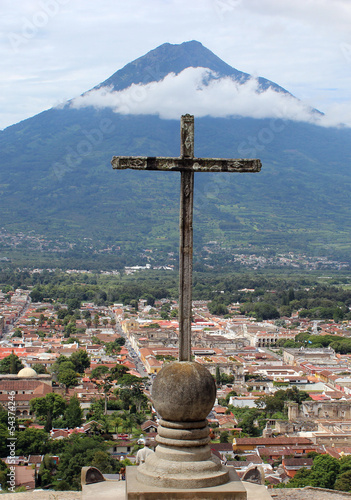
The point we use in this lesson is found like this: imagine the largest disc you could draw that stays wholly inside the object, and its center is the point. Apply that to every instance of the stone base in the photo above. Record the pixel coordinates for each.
(136, 490)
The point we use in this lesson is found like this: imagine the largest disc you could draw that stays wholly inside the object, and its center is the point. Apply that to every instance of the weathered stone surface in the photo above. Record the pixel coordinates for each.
(90, 475)
(254, 475)
(183, 391)
(178, 164)
(109, 490)
(308, 493)
(46, 495)
(139, 490)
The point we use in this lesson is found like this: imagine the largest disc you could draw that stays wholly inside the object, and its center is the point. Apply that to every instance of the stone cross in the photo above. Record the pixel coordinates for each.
(187, 165)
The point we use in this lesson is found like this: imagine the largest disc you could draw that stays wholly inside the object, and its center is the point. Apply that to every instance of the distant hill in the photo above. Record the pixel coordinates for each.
(56, 179)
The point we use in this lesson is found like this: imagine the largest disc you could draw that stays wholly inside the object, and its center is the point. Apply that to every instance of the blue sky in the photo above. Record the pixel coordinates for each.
(54, 50)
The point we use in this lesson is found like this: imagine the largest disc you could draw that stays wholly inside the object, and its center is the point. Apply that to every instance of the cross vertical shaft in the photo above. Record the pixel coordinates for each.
(186, 239)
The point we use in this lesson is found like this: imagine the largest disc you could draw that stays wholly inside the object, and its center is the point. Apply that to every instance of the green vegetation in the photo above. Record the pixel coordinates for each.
(325, 473)
(276, 403)
(11, 364)
(48, 407)
(253, 420)
(75, 452)
(78, 361)
(275, 294)
(297, 202)
(4, 472)
(341, 345)
(4, 433)
(73, 416)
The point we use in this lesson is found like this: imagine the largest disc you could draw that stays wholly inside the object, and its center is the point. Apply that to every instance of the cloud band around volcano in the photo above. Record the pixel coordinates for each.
(201, 92)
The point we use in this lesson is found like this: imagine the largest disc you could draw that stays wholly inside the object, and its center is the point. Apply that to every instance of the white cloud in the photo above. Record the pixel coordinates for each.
(200, 92)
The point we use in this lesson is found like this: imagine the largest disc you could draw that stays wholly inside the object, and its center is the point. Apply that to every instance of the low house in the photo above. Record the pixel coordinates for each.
(242, 444)
(24, 476)
(223, 449)
(122, 448)
(149, 426)
(292, 465)
(227, 421)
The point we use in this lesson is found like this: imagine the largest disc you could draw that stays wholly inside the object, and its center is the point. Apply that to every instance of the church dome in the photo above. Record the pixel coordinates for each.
(27, 373)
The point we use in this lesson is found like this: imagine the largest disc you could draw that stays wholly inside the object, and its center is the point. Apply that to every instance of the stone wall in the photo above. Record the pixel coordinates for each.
(308, 493)
(320, 410)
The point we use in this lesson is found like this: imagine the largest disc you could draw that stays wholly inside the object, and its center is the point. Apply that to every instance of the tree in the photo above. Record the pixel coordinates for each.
(276, 403)
(247, 418)
(49, 407)
(73, 303)
(11, 364)
(79, 451)
(345, 463)
(96, 410)
(224, 437)
(102, 377)
(113, 347)
(32, 442)
(128, 422)
(271, 404)
(39, 368)
(134, 390)
(324, 471)
(41, 320)
(343, 482)
(46, 471)
(4, 475)
(68, 378)
(118, 371)
(103, 462)
(218, 376)
(294, 394)
(99, 371)
(70, 329)
(4, 432)
(116, 421)
(36, 295)
(73, 415)
(217, 308)
(301, 479)
(227, 379)
(80, 360)
(264, 310)
(65, 364)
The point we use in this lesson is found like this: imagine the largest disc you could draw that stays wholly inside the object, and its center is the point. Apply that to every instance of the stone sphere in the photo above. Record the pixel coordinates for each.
(184, 391)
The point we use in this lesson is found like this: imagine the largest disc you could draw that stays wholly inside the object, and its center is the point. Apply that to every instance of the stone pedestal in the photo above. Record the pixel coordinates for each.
(183, 394)
(183, 458)
(233, 489)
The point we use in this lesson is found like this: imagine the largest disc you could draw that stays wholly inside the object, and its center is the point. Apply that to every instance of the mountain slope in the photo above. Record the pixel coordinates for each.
(167, 58)
(56, 178)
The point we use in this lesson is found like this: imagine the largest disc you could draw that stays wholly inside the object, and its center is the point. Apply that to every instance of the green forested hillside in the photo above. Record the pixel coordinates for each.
(56, 180)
